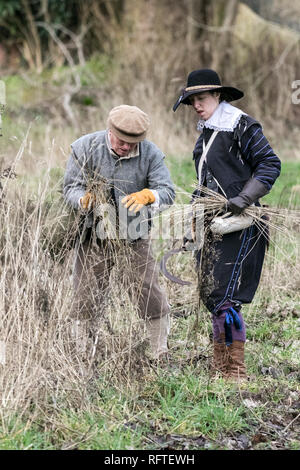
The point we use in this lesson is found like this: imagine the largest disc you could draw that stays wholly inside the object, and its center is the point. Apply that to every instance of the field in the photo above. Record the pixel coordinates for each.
(54, 397)
(51, 399)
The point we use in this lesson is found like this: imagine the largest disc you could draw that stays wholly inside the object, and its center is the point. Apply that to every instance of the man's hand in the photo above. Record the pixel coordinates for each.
(87, 201)
(137, 200)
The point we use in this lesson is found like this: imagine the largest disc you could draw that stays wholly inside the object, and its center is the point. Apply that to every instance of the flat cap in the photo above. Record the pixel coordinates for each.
(128, 123)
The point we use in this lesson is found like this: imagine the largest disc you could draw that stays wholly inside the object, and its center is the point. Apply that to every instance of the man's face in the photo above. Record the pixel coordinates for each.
(119, 146)
(205, 104)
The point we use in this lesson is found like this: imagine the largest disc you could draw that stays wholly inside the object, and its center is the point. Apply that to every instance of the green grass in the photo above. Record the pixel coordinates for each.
(24, 436)
(183, 405)
(181, 408)
(184, 176)
(178, 407)
(33, 88)
(175, 408)
(171, 409)
(285, 192)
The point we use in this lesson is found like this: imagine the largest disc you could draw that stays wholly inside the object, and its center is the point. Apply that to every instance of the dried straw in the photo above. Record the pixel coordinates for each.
(278, 218)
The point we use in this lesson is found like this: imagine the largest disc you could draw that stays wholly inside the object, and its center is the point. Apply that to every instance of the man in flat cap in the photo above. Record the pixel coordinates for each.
(139, 183)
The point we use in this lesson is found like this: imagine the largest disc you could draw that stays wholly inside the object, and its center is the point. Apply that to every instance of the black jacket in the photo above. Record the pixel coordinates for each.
(231, 267)
(234, 157)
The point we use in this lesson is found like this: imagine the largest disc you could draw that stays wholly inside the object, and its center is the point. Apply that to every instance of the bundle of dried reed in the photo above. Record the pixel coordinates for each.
(62, 224)
(279, 219)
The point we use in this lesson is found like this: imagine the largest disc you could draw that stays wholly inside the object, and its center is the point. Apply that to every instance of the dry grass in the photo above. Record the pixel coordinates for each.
(279, 219)
(45, 372)
(43, 366)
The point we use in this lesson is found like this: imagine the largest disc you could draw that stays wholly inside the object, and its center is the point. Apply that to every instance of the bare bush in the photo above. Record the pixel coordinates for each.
(45, 362)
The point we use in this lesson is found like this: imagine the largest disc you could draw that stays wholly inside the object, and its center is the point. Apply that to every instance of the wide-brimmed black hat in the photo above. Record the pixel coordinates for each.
(206, 80)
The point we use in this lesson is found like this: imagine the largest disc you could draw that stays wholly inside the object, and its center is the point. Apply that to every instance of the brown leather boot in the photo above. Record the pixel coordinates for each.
(220, 358)
(236, 370)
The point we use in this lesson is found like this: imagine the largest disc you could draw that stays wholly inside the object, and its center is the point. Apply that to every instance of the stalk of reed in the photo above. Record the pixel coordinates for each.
(279, 219)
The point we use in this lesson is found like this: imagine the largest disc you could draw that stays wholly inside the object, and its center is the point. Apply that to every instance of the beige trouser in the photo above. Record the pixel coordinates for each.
(92, 269)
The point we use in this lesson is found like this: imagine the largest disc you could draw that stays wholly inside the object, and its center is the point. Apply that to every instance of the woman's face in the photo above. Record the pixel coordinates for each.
(205, 104)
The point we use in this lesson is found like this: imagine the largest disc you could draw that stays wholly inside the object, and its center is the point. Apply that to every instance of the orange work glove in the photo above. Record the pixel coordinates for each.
(137, 200)
(87, 201)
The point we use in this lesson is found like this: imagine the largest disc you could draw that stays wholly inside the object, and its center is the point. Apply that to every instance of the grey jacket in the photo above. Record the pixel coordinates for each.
(91, 157)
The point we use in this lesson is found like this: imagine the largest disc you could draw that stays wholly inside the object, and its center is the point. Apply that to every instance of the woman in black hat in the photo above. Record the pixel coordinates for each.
(238, 162)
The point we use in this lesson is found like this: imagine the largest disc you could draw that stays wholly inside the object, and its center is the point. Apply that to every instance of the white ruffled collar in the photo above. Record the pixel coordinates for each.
(225, 118)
